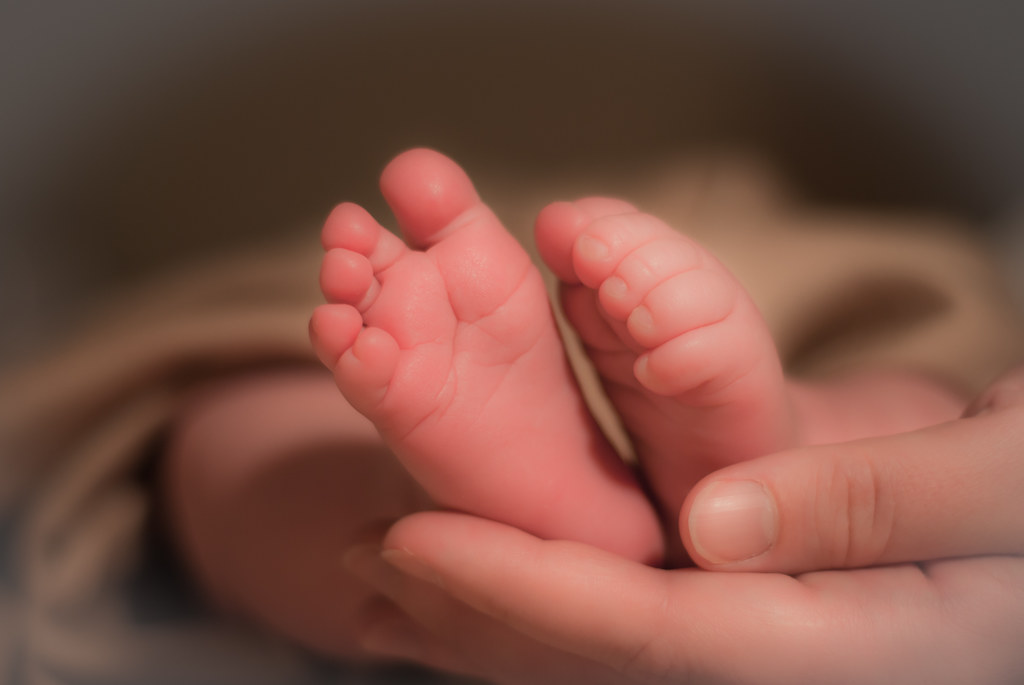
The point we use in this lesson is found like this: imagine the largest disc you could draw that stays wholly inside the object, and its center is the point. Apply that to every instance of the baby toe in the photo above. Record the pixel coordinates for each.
(608, 240)
(560, 224)
(332, 330)
(683, 303)
(642, 270)
(703, 362)
(364, 371)
(348, 277)
(427, 192)
(555, 231)
(352, 228)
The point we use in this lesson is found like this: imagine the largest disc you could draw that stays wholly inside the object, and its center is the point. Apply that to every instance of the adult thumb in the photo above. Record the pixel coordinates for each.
(956, 489)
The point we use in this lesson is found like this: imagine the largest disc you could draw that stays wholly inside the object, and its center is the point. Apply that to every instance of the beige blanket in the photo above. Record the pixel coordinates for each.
(85, 594)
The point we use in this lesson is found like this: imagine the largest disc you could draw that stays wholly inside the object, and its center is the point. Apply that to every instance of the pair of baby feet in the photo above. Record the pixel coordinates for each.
(447, 342)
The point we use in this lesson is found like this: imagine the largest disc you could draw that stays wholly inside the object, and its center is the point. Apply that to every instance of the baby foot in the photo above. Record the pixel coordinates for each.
(449, 346)
(682, 351)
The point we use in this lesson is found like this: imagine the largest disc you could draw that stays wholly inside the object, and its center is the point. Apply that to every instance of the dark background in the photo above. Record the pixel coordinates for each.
(134, 134)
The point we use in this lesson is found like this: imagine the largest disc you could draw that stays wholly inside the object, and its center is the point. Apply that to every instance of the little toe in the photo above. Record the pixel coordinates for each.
(700, 363)
(685, 302)
(332, 330)
(427, 193)
(348, 277)
(675, 367)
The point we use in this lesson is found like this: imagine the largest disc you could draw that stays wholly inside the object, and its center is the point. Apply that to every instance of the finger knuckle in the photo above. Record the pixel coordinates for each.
(855, 510)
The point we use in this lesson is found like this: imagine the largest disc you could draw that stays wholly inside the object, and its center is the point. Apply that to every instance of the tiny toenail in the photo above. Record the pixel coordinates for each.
(640, 366)
(733, 521)
(641, 321)
(641, 371)
(615, 288)
(591, 248)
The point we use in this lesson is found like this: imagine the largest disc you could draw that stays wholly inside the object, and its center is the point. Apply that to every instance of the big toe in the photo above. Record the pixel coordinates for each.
(427, 192)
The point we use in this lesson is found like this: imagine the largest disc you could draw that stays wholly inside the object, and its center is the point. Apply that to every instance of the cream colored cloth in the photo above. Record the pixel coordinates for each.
(839, 291)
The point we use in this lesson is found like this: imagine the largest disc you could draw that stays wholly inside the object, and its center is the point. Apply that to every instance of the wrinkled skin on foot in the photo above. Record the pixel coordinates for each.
(683, 353)
(447, 343)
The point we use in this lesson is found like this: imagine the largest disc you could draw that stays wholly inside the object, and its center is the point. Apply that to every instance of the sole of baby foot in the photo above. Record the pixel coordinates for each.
(447, 343)
(683, 352)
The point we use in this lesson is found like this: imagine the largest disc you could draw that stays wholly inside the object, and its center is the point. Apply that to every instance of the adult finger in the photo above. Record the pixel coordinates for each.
(417, 621)
(950, 621)
(392, 632)
(643, 624)
(946, 491)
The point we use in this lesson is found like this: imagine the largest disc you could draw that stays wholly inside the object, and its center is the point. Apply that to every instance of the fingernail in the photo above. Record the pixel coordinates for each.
(410, 564)
(591, 248)
(732, 521)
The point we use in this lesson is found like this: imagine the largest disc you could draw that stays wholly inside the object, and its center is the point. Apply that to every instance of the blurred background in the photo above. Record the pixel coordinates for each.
(134, 135)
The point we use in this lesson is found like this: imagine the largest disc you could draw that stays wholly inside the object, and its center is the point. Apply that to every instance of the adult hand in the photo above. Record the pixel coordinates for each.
(956, 489)
(417, 620)
(482, 598)
(948, 491)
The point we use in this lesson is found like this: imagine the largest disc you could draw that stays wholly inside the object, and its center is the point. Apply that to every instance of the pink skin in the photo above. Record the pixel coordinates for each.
(684, 355)
(267, 475)
(448, 345)
(946, 497)
(689, 363)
